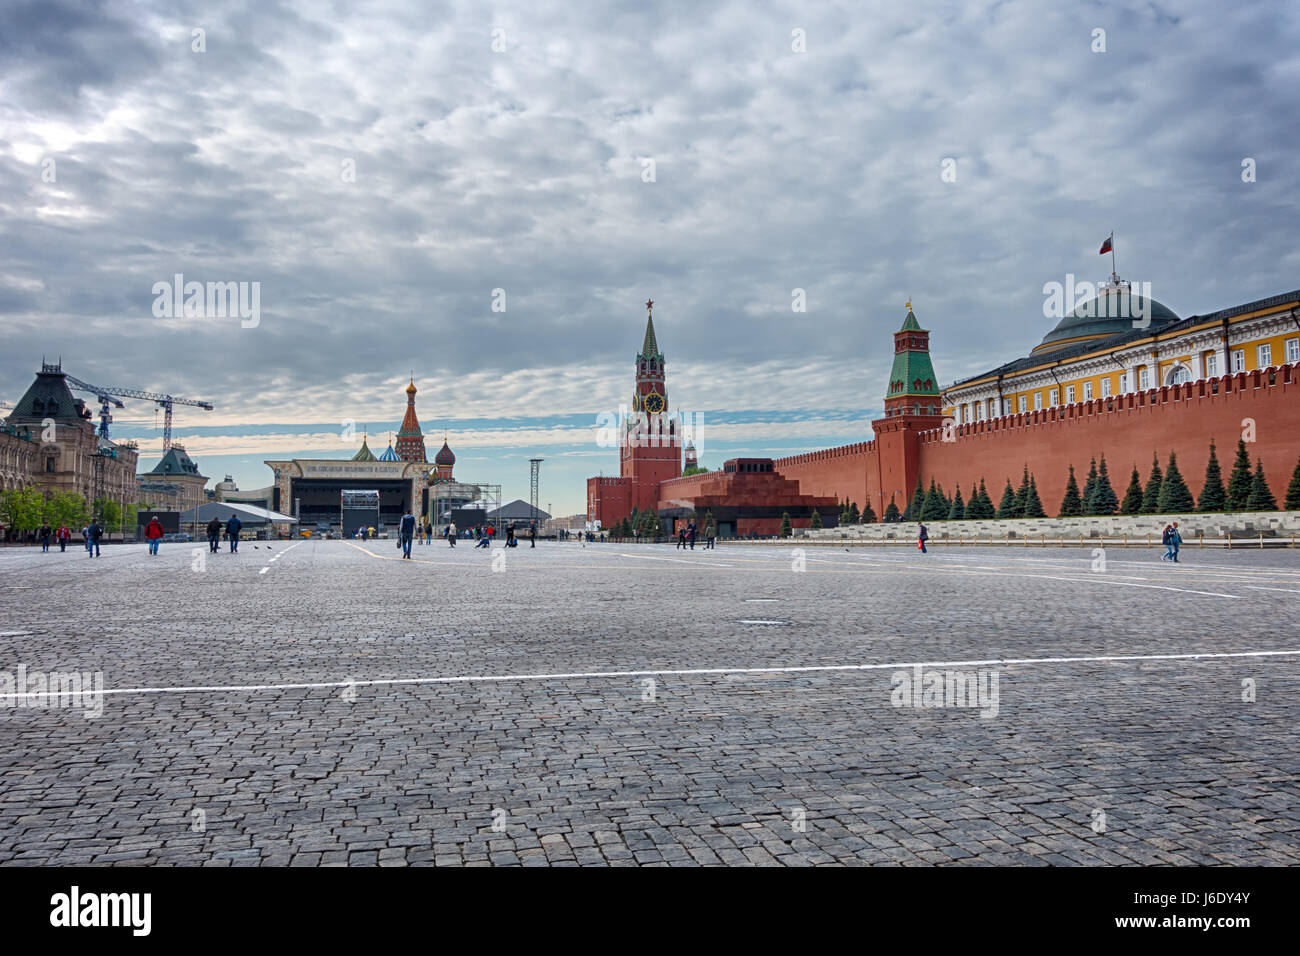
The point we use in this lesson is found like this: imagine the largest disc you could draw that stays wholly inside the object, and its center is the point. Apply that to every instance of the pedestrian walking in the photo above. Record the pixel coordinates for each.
(405, 532)
(1175, 542)
(232, 532)
(692, 529)
(681, 538)
(710, 533)
(532, 534)
(93, 532)
(46, 533)
(85, 536)
(214, 534)
(922, 536)
(154, 532)
(451, 534)
(62, 536)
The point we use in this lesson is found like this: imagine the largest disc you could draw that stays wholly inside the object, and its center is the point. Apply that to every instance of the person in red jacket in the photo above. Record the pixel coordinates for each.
(154, 532)
(62, 536)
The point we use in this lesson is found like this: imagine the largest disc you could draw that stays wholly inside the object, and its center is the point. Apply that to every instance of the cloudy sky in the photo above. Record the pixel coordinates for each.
(381, 168)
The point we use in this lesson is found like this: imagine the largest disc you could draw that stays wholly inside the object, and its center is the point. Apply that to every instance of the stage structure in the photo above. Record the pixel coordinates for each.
(358, 509)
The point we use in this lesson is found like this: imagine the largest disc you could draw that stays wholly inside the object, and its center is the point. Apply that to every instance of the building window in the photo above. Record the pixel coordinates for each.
(1239, 360)
(1178, 375)
(1144, 379)
(1069, 394)
(1264, 354)
(1052, 397)
(1212, 365)
(1124, 383)
(1105, 387)
(1038, 401)
(1087, 391)
(1292, 351)
(1021, 404)
(49, 464)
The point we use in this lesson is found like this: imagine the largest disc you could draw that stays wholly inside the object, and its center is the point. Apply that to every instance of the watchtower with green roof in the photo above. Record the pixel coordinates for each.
(913, 387)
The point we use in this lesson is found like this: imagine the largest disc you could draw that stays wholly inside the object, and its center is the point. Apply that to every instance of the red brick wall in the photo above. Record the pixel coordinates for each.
(1181, 419)
(609, 500)
(1127, 429)
(849, 471)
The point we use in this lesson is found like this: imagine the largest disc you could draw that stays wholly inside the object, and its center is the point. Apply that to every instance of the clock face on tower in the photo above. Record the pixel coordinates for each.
(654, 403)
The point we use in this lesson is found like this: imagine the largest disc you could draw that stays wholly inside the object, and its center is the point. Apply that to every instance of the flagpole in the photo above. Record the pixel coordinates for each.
(1112, 254)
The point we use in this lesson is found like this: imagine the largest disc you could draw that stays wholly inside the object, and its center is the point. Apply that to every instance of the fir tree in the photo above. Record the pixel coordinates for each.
(1174, 496)
(816, 522)
(1133, 497)
(844, 512)
(933, 508)
(786, 530)
(1022, 493)
(958, 510)
(1240, 482)
(868, 515)
(1007, 509)
(1151, 497)
(1071, 504)
(1104, 499)
(1261, 499)
(1293, 490)
(986, 503)
(1213, 494)
(1033, 504)
(1089, 489)
(913, 512)
(891, 513)
(854, 515)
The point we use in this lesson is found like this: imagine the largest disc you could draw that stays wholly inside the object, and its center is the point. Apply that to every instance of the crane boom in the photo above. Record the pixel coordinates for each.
(111, 394)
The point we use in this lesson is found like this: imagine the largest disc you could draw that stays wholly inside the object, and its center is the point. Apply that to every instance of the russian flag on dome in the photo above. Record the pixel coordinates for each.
(1108, 245)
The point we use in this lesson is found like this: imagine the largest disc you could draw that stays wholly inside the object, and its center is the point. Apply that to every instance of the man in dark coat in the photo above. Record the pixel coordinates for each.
(214, 534)
(232, 531)
(92, 535)
(406, 531)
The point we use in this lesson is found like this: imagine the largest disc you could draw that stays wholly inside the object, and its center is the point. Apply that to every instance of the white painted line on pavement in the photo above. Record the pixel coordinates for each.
(650, 557)
(688, 672)
(1256, 587)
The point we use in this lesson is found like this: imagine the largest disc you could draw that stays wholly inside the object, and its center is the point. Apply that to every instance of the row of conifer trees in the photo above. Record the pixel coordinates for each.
(1165, 492)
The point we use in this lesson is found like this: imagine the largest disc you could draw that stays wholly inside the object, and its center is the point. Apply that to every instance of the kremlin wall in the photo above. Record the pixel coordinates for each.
(1127, 429)
(1167, 385)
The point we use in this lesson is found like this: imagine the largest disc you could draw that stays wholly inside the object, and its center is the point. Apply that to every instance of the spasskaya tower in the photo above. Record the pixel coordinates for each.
(652, 447)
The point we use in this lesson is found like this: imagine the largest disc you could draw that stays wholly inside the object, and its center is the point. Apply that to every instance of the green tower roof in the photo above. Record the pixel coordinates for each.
(912, 372)
(650, 347)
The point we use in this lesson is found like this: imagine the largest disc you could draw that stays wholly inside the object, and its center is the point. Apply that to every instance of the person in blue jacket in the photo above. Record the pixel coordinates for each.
(232, 531)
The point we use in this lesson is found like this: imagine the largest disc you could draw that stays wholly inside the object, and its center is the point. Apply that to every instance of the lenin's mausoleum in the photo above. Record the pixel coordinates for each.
(1099, 384)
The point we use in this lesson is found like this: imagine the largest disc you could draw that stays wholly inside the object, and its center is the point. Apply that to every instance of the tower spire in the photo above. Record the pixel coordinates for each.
(650, 346)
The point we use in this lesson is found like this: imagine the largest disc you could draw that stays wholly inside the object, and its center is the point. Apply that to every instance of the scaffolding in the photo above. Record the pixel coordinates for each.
(444, 496)
(533, 474)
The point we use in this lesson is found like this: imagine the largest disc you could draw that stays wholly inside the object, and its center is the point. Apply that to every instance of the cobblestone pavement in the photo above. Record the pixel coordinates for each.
(1153, 761)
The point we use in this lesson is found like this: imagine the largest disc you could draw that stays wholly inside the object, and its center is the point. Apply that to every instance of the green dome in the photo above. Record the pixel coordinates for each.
(1109, 313)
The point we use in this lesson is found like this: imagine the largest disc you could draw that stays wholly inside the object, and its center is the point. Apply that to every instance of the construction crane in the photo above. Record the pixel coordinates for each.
(109, 396)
